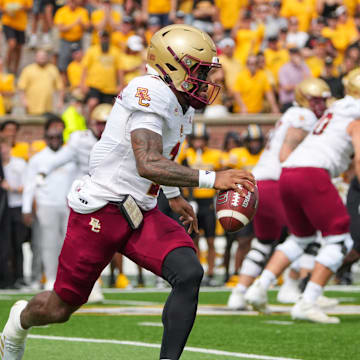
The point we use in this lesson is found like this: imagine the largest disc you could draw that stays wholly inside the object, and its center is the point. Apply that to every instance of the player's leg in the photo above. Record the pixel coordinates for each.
(183, 271)
(162, 246)
(327, 212)
(86, 252)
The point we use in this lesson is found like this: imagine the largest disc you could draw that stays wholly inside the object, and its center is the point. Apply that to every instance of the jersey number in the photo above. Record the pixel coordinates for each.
(154, 188)
(322, 124)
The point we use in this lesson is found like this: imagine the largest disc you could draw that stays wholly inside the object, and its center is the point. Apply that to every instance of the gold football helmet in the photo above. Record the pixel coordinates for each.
(183, 56)
(313, 93)
(352, 83)
(101, 112)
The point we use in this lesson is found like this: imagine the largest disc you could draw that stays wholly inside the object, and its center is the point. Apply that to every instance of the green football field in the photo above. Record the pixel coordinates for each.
(128, 326)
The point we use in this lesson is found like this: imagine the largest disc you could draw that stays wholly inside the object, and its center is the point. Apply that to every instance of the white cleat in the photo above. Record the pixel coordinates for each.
(289, 292)
(311, 312)
(256, 296)
(33, 42)
(96, 295)
(13, 337)
(325, 302)
(236, 300)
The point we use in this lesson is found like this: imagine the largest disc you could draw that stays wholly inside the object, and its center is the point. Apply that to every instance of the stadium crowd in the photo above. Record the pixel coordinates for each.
(78, 57)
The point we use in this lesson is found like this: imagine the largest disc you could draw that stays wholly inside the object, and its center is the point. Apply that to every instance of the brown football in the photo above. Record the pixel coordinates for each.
(235, 211)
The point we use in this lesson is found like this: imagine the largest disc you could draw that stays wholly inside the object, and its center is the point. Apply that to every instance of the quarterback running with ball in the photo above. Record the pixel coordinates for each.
(114, 208)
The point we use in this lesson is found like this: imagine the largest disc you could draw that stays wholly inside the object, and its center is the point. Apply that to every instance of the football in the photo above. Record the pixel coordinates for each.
(235, 211)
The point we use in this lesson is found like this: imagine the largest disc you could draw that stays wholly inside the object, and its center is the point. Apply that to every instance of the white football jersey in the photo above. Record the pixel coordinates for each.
(77, 149)
(147, 102)
(268, 166)
(329, 146)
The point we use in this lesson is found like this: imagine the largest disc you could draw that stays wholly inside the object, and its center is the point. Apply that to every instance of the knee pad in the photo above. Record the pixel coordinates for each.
(294, 246)
(307, 261)
(256, 258)
(334, 250)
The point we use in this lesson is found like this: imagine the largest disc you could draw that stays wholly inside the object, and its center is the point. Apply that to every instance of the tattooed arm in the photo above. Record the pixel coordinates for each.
(151, 164)
(293, 138)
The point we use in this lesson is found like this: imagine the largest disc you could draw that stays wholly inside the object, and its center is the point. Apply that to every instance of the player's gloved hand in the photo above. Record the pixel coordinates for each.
(229, 179)
(187, 215)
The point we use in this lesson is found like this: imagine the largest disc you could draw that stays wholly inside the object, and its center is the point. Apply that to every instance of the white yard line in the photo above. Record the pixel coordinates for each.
(148, 323)
(157, 346)
(278, 322)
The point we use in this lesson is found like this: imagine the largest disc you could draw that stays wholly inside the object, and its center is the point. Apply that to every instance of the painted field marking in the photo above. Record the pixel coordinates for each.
(278, 322)
(157, 346)
(148, 323)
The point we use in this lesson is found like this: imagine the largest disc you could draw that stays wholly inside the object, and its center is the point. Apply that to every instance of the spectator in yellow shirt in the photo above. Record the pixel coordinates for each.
(14, 21)
(102, 78)
(304, 10)
(75, 68)
(132, 60)
(251, 87)
(38, 83)
(247, 40)
(7, 88)
(229, 11)
(163, 10)
(104, 18)
(153, 26)
(122, 34)
(72, 21)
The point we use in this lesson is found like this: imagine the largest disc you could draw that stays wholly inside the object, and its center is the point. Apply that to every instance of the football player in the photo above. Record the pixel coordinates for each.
(310, 96)
(312, 202)
(114, 208)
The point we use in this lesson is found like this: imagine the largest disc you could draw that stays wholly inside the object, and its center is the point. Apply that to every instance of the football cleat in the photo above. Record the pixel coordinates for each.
(96, 295)
(289, 292)
(256, 296)
(325, 302)
(13, 338)
(122, 282)
(233, 281)
(303, 310)
(236, 300)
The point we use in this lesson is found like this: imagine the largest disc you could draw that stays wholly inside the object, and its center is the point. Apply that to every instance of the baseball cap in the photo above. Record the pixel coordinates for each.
(180, 14)
(340, 10)
(127, 19)
(135, 43)
(154, 21)
(226, 42)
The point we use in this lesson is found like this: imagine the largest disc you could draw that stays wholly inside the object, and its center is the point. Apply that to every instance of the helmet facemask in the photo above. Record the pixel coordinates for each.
(195, 82)
(318, 105)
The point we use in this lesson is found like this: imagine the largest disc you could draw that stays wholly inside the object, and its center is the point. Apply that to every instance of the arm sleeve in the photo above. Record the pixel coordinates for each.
(150, 121)
(305, 121)
(29, 188)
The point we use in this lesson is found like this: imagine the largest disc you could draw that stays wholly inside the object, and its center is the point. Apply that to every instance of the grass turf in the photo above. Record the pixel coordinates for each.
(243, 334)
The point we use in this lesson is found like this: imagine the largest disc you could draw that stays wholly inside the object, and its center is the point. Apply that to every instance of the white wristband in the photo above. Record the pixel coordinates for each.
(206, 179)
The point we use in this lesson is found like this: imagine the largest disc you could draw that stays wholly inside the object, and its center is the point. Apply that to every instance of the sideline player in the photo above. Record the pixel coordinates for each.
(310, 96)
(312, 202)
(114, 209)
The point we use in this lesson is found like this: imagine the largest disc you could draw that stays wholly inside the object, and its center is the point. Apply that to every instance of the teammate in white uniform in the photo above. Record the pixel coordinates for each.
(312, 202)
(310, 95)
(143, 134)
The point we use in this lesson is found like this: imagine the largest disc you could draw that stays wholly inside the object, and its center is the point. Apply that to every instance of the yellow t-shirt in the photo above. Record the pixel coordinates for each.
(304, 10)
(66, 16)
(39, 84)
(159, 6)
(17, 19)
(342, 36)
(274, 60)
(119, 39)
(21, 150)
(97, 17)
(2, 106)
(229, 11)
(351, 6)
(129, 62)
(316, 65)
(241, 158)
(74, 71)
(252, 89)
(7, 85)
(186, 6)
(231, 69)
(102, 68)
(209, 159)
(248, 42)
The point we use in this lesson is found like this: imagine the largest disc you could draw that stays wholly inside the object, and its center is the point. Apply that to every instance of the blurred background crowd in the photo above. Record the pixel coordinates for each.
(62, 59)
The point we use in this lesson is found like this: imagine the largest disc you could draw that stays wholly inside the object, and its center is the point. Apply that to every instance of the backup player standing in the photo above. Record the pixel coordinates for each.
(148, 122)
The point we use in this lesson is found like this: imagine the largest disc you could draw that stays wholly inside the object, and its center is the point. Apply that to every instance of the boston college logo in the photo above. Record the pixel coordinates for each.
(95, 225)
(143, 95)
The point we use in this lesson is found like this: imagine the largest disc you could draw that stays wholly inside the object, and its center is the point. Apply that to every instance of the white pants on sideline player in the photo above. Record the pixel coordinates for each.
(52, 225)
